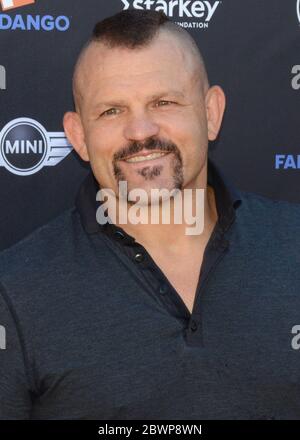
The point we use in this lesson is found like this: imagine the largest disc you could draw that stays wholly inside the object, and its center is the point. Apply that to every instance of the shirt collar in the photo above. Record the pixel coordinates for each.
(227, 198)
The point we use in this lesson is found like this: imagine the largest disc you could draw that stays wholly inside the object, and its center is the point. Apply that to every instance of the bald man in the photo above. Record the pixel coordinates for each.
(132, 102)
(142, 320)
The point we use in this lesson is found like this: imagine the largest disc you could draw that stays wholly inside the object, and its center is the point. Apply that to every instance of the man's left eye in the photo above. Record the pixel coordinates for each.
(163, 102)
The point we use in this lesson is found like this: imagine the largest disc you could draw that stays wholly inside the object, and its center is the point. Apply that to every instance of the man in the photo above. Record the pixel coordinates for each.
(144, 321)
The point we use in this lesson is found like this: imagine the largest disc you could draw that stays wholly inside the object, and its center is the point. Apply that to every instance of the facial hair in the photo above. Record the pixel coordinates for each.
(149, 172)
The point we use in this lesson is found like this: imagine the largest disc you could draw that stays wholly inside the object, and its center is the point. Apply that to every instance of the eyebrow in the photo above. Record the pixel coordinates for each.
(121, 102)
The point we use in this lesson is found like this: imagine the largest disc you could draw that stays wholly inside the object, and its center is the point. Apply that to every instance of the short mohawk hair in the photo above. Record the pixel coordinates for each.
(130, 28)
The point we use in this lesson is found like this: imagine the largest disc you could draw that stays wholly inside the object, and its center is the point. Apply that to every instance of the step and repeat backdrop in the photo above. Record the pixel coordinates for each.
(251, 49)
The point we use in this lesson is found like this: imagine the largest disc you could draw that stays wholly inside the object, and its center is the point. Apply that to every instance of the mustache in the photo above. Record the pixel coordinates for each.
(150, 144)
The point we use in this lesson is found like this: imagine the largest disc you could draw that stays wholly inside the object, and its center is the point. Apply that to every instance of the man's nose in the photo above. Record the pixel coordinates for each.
(140, 127)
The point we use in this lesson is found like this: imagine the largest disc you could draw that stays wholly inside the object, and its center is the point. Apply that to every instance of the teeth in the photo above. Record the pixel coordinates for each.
(142, 158)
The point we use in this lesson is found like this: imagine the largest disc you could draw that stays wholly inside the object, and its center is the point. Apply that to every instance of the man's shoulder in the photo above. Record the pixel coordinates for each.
(258, 202)
(265, 213)
(42, 245)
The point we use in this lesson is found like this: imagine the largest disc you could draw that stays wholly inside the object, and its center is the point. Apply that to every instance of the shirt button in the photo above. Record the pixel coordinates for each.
(194, 326)
(139, 257)
(163, 289)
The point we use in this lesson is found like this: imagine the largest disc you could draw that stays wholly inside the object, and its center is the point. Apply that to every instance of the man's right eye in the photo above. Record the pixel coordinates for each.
(109, 112)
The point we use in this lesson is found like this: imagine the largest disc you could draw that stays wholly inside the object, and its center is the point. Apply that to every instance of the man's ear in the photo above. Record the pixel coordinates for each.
(75, 134)
(215, 102)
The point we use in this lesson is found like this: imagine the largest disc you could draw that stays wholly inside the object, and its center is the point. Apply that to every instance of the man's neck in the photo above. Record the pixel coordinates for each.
(174, 236)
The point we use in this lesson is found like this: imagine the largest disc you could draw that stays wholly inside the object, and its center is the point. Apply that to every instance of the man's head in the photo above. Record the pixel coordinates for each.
(140, 86)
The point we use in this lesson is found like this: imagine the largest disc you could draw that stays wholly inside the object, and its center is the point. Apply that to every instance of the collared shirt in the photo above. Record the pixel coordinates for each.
(94, 329)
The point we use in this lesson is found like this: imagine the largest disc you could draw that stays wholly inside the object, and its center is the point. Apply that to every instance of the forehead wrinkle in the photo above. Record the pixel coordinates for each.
(187, 50)
(151, 97)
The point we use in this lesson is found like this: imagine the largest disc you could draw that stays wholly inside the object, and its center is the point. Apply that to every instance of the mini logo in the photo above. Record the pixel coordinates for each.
(26, 147)
(12, 4)
(2, 78)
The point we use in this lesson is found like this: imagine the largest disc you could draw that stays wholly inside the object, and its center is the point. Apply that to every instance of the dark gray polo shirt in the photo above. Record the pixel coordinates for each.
(94, 329)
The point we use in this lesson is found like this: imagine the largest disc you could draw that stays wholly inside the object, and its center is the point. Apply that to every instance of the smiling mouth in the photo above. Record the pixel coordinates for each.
(145, 157)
